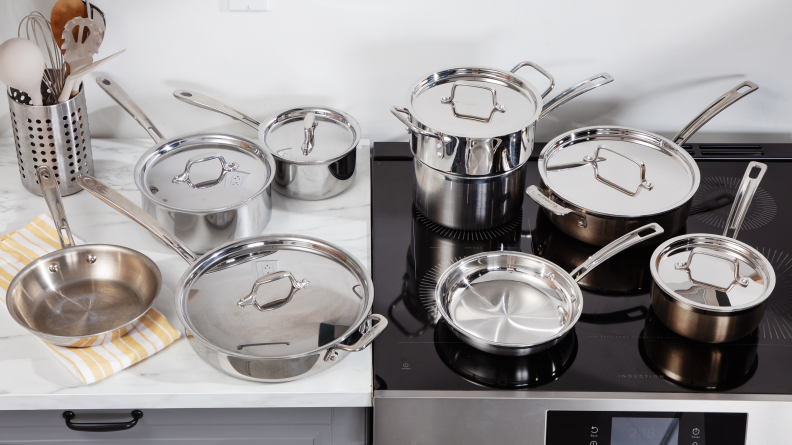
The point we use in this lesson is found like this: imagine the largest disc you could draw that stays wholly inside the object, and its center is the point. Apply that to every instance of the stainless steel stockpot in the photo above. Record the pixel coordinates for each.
(601, 182)
(713, 288)
(314, 148)
(269, 308)
(471, 132)
(514, 303)
(207, 189)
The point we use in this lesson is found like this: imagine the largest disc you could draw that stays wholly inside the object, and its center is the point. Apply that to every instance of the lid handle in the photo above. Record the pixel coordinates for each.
(122, 98)
(628, 240)
(734, 262)
(541, 71)
(369, 330)
(557, 209)
(51, 191)
(594, 160)
(742, 200)
(713, 109)
(309, 126)
(250, 299)
(184, 177)
(495, 105)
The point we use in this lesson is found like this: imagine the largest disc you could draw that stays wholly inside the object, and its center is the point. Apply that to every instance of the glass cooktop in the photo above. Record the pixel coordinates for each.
(618, 345)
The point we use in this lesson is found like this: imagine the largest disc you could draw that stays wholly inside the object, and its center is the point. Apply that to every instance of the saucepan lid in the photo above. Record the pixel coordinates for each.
(310, 135)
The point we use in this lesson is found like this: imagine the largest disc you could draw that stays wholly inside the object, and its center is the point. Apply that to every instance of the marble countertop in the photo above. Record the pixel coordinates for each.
(31, 378)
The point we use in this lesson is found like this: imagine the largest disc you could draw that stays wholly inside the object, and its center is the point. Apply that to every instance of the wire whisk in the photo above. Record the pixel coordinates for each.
(39, 28)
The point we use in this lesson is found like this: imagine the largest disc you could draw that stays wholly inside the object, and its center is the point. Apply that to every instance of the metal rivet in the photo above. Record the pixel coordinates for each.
(54, 267)
(91, 258)
(581, 223)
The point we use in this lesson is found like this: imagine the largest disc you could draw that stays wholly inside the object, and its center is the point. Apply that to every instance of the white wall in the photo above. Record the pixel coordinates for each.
(670, 58)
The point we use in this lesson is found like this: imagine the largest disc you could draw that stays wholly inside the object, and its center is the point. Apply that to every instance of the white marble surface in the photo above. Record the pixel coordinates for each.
(31, 378)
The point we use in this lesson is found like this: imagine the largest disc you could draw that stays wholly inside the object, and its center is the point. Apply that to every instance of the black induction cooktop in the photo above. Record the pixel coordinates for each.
(618, 345)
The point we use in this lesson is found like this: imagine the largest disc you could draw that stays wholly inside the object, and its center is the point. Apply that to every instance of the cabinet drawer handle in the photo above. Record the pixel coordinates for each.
(102, 427)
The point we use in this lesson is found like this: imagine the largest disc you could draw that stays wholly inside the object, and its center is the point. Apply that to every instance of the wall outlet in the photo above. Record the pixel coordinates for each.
(265, 267)
(236, 180)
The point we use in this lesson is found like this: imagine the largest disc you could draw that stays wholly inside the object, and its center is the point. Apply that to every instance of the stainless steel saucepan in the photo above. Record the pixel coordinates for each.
(599, 183)
(314, 148)
(207, 189)
(713, 288)
(514, 303)
(266, 308)
(81, 296)
(471, 133)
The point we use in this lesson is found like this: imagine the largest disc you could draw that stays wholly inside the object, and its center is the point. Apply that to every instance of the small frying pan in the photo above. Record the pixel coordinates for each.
(81, 296)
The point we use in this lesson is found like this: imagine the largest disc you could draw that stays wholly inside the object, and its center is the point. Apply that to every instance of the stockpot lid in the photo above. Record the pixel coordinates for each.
(618, 171)
(474, 102)
(204, 173)
(330, 296)
(310, 135)
(712, 272)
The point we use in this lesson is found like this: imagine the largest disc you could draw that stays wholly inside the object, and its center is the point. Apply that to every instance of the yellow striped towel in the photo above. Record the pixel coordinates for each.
(151, 334)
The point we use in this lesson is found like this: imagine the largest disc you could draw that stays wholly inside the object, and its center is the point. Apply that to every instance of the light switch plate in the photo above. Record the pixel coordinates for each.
(249, 5)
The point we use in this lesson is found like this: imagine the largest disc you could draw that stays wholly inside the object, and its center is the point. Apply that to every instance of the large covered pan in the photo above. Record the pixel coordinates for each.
(207, 189)
(713, 288)
(471, 133)
(268, 308)
(514, 303)
(81, 296)
(599, 183)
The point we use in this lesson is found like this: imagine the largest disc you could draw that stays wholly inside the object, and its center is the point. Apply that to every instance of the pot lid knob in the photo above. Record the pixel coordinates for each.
(309, 125)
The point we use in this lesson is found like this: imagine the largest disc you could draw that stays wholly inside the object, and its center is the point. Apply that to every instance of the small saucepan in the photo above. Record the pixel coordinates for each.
(713, 288)
(81, 296)
(514, 303)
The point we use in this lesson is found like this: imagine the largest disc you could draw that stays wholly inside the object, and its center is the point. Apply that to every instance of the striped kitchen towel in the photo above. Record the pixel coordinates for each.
(89, 364)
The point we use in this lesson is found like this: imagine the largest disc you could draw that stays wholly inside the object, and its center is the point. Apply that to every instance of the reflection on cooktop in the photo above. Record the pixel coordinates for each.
(777, 321)
(713, 200)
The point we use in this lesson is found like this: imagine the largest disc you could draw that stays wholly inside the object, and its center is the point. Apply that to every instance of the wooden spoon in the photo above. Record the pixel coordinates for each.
(62, 12)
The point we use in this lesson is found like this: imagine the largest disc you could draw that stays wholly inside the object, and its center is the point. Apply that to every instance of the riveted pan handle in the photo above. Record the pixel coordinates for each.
(628, 240)
(745, 193)
(184, 177)
(557, 209)
(365, 340)
(51, 191)
(541, 71)
(584, 86)
(713, 109)
(122, 98)
(250, 299)
(203, 101)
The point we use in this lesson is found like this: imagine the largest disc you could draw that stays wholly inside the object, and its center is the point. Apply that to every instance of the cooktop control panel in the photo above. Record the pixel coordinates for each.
(644, 428)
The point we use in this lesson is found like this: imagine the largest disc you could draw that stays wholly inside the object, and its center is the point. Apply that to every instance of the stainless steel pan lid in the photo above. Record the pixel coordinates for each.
(717, 272)
(310, 135)
(476, 102)
(204, 173)
(624, 172)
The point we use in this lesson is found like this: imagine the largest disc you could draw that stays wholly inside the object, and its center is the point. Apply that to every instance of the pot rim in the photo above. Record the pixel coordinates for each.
(763, 266)
(162, 147)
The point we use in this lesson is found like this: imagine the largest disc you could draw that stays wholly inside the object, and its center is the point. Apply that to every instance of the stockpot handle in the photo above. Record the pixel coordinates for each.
(250, 299)
(541, 71)
(399, 112)
(557, 209)
(203, 101)
(122, 98)
(742, 200)
(128, 208)
(574, 91)
(51, 191)
(713, 109)
(628, 240)
(369, 334)
(184, 177)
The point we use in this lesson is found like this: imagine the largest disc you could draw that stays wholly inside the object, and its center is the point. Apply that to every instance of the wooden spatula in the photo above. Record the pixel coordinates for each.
(62, 12)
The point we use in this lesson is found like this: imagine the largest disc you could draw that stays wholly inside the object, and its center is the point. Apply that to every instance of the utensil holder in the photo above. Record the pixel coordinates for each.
(53, 135)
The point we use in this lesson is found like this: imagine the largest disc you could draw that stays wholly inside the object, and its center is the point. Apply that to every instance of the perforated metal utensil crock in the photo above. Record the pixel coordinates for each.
(53, 135)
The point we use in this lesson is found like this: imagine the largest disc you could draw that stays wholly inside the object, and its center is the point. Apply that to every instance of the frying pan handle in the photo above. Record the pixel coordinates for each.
(128, 208)
(713, 109)
(122, 98)
(628, 240)
(745, 193)
(202, 101)
(541, 71)
(51, 192)
(368, 336)
(574, 91)
(250, 299)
